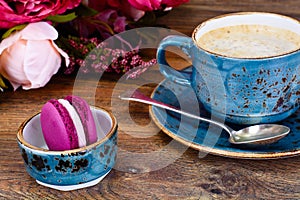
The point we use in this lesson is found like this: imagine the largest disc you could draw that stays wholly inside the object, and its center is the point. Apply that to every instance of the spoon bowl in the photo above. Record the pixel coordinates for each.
(252, 136)
(259, 135)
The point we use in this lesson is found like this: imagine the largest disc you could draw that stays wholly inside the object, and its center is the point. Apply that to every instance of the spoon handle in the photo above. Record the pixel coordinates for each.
(137, 96)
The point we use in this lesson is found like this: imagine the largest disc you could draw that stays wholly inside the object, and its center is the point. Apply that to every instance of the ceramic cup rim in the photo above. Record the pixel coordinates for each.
(27, 145)
(236, 14)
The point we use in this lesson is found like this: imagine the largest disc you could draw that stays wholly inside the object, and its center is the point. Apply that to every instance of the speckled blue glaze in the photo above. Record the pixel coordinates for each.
(205, 137)
(243, 91)
(72, 167)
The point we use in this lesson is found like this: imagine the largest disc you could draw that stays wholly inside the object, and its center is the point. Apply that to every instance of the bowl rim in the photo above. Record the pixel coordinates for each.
(23, 142)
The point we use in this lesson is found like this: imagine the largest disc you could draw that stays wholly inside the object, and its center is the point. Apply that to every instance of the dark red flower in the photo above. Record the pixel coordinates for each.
(15, 12)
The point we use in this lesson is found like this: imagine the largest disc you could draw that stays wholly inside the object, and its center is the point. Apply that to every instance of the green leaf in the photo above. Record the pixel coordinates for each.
(85, 11)
(62, 18)
(11, 30)
(149, 19)
(2, 84)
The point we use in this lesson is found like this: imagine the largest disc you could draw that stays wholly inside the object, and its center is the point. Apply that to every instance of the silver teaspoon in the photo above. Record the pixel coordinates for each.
(251, 136)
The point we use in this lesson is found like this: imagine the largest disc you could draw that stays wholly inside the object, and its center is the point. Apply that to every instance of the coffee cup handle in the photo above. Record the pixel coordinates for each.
(182, 77)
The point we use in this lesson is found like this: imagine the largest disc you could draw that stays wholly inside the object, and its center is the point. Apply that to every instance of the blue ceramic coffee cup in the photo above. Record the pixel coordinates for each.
(240, 89)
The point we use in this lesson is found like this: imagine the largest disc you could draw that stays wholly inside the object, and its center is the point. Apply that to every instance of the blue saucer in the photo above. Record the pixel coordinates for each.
(208, 138)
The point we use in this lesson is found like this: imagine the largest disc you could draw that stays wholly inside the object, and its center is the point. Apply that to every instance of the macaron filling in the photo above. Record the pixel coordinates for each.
(76, 120)
(85, 114)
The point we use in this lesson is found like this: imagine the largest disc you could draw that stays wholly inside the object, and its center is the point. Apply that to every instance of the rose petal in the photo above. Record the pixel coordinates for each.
(11, 64)
(39, 71)
(39, 31)
(7, 42)
(173, 3)
(146, 5)
(64, 54)
(119, 24)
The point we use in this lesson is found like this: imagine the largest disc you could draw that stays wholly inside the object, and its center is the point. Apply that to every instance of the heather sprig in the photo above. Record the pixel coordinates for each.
(94, 56)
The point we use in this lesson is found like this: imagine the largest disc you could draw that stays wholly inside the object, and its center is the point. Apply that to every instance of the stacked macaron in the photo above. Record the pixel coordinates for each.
(68, 123)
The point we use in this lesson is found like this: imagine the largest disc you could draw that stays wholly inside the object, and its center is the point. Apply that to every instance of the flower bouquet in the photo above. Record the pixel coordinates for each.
(38, 38)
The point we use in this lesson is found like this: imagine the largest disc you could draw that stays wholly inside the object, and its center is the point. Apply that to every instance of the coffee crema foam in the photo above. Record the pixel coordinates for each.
(250, 41)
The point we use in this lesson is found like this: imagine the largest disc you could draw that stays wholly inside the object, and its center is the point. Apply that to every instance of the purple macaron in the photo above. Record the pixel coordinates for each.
(68, 123)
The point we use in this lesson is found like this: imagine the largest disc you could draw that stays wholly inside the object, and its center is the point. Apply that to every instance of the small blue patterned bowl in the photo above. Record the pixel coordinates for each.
(71, 169)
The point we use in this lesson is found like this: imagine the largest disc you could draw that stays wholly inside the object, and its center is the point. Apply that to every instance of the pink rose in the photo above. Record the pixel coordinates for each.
(121, 5)
(173, 3)
(146, 5)
(29, 57)
(149, 5)
(14, 12)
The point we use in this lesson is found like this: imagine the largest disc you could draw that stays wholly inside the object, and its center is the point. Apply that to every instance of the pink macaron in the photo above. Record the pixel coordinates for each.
(68, 123)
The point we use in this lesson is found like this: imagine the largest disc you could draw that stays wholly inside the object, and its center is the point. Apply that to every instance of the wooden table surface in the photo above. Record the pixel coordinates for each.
(139, 173)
